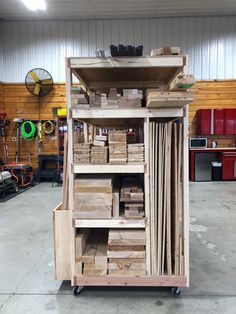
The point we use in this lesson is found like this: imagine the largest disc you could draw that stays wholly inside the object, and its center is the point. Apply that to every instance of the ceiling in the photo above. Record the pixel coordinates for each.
(90, 9)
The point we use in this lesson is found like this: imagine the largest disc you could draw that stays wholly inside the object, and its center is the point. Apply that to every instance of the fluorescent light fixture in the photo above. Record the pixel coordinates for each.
(35, 5)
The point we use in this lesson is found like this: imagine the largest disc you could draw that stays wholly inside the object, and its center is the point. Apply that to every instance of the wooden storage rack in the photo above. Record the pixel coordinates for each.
(98, 73)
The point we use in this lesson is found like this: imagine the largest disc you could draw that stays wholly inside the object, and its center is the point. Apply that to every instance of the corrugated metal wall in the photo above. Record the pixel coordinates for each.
(1, 52)
(210, 43)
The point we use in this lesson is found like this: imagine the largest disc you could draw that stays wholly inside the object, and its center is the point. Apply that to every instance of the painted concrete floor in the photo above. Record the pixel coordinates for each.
(27, 284)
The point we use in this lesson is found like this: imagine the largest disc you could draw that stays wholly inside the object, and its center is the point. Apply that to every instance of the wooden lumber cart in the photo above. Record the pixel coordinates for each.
(125, 211)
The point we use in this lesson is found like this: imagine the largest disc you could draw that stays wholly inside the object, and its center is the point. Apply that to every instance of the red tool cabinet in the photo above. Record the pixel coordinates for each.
(229, 165)
(216, 121)
(204, 121)
(230, 124)
(219, 121)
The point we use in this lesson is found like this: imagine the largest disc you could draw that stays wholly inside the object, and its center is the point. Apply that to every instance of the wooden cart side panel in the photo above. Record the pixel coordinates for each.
(69, 168)
(62, 231)
(148, 281)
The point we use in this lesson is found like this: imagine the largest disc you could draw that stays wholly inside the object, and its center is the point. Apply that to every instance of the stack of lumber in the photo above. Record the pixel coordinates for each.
(80, 243)
(93, 196)
(104, 101)
(94, 257)
(166, 198)
(117, 141)
(126, 252)
(100, 140)
(99, 151)
(78, 99)
(131, 194)
(158, 99)
(131, 98)
(82, 153)
(95, 99)
(113, 98)
(135, 153)
(166, 51)
(99, 155)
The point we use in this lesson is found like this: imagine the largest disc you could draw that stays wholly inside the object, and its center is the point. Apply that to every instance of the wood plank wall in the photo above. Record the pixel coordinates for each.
(20, 103)
(211, 95)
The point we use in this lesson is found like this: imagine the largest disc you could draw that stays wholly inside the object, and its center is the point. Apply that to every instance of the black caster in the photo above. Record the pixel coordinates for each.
(76, 290)
(175, 291)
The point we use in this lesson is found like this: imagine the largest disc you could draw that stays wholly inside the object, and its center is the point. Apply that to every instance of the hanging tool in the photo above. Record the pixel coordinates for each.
(3, 124)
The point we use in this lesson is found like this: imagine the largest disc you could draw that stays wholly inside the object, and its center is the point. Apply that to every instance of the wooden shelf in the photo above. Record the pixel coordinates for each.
(126, 113)
(161, 281)
(126, 72)
(110, 223)
(127, 168)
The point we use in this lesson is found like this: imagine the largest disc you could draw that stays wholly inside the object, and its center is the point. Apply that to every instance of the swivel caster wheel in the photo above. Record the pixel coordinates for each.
(76, 290)
(175, 291)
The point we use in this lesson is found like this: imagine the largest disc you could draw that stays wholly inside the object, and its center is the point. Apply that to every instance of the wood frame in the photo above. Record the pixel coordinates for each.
(176, 65)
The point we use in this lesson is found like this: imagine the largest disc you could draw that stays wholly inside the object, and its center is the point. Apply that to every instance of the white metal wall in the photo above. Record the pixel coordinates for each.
(210, 43)
(1, 52)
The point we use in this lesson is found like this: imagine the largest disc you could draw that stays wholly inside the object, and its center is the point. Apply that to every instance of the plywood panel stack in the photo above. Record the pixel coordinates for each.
(135, 153)
(94, 258)
(166, 150)
(117, 141)
(126, 252)
(132, 195)
(93, 196)
(82, 153)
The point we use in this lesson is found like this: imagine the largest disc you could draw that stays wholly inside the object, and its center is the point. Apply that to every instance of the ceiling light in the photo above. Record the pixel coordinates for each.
(35, 5)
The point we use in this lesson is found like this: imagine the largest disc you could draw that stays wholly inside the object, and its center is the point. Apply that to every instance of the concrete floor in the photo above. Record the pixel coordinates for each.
(27, 267)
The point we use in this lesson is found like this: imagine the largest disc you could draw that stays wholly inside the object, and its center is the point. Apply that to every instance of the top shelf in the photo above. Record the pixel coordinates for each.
(126, 72)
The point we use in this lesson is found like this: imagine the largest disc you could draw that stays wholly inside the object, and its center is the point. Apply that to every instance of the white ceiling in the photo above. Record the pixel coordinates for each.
(88, 9)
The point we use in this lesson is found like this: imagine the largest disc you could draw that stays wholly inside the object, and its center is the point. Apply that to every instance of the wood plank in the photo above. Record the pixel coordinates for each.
(127, 265)
(89, 252)
(160, 199)
(121, 248)
(65, 175)
(164, 198)
(127, 242)
(126, 234)
(94, 272)
(116, 203)
(168, 204)
(110, 223)
(80, 242)
(129, 272)
(161, 281)
(109, 168)
(101, 253)
(126, 254)
(126, 113)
